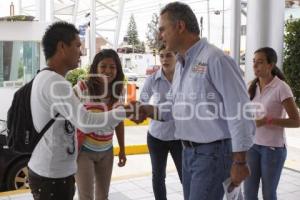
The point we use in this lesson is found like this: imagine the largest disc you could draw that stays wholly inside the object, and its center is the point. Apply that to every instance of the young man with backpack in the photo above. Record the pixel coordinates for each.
(53, 161)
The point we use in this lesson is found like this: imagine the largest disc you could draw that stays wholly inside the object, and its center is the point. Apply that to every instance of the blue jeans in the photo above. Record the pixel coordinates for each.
(205, 167)
(159, 150)
(265, 163)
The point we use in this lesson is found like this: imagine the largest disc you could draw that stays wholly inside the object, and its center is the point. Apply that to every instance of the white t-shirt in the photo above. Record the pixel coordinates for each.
(55, 154)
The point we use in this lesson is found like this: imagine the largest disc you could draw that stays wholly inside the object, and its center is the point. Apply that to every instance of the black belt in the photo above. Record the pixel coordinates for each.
(191, 144)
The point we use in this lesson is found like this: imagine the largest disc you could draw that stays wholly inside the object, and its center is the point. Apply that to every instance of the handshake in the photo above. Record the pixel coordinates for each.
(138, 112)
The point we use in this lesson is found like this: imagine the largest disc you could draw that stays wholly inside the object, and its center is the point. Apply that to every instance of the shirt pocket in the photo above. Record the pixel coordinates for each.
(196, 87)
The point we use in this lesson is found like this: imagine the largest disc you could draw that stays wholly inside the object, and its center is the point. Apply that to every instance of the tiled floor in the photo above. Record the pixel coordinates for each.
(133, 182)
(139, 188)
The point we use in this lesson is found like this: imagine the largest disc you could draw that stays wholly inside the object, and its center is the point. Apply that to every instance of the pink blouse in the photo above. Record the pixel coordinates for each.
(271, 99)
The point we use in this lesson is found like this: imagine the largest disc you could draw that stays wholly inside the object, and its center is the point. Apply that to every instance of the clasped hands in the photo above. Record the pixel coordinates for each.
(138, 112)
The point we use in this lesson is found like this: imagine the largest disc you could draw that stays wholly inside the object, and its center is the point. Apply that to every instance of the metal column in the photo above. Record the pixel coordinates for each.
(235, 35)
(92, 31)
(41, 10)
(265, 26)
(118, 24)
(75, 10)
(208, 21)
(51, 10)
(20, 12)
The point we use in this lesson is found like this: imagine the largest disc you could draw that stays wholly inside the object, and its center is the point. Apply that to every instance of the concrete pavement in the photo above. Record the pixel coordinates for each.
(133, 182)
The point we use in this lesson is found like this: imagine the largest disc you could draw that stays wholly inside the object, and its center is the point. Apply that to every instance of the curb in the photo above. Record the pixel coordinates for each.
(14, 192)
(291, 169)
(133, 149)
(128, 122)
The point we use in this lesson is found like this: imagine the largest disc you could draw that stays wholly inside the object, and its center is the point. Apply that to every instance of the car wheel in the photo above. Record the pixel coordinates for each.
(17, 176)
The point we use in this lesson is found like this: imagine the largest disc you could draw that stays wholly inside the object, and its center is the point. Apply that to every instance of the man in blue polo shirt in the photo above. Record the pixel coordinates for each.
(209, 103)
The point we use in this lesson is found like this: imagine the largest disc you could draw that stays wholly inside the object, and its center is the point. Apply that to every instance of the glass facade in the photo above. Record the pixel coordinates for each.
(19, 62)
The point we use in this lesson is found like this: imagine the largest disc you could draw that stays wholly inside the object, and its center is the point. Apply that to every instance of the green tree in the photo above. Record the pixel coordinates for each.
(152, 33)
(143, 48)
(20, 70)
(140, 48)
(291, 64)
(132, 33)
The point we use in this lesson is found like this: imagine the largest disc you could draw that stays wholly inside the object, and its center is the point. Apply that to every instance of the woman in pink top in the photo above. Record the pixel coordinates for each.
(267, 155)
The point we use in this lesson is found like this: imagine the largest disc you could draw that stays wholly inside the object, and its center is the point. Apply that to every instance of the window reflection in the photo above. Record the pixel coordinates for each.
(19, 62)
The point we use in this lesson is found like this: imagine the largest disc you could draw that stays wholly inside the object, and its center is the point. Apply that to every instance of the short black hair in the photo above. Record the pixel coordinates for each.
(56, 32)
(180, 11)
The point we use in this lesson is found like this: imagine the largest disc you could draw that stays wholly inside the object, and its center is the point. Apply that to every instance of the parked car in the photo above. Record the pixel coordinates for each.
(13, 166)
(130, 75)
(151, 69)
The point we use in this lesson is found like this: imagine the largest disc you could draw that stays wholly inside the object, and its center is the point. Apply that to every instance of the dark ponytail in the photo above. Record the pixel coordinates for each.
(252, 88)
(277, 72)
(271, 59)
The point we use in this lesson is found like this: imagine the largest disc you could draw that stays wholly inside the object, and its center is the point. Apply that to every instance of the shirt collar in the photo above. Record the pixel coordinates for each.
(192, 51)
(272, 84)
(159, 74)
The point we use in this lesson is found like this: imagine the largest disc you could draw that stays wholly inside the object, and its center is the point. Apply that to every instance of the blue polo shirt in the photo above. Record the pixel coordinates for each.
(209, 99)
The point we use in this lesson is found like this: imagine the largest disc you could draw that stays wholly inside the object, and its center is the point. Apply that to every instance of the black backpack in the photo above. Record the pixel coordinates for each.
(22, 136)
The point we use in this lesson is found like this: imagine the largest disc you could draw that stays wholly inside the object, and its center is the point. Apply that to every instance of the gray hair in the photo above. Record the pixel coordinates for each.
(180, 11)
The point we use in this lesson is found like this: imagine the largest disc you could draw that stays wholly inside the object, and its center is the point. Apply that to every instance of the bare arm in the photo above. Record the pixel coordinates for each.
(293, 120)
(121, 140)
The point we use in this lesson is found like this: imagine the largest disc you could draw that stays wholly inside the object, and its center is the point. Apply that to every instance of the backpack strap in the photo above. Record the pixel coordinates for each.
(46, 68)
(49, 124)
(46, 127)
